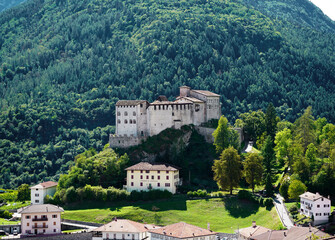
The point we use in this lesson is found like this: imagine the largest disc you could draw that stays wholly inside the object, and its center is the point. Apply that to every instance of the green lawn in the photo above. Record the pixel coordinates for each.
(5, 222)
(14, 205)
(224, 215)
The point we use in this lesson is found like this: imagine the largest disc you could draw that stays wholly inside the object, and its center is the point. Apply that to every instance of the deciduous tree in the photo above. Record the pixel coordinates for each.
(227, 169)
(295, 189)
(253, 169)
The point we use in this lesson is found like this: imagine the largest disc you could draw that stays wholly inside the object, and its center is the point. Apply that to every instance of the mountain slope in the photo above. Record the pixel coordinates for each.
(301, 12)
(64, 64)
(6, 4)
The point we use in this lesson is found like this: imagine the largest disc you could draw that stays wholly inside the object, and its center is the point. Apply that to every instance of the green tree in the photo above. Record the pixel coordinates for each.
(295, 189)
(254, 123)
(268, 164)
(284, 185)
(23, 192)
(271, 121)
(304, 128)
(310, 156)
(224, 136)
(253, 169)
(283, 142)
(227, 169)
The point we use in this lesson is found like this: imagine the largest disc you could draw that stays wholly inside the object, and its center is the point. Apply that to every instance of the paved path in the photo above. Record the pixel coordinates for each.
(282, 213)
(80, 226)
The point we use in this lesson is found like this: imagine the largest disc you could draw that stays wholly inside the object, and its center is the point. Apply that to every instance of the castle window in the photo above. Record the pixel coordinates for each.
(147, 177)
(141, 177)
(132, 183)
(159, 107)
(152, 177)
(158, 184)
(147, 171)
(118, 113)
(130, 121)
(158, 177)
(141, 105)
(134, 113)
(172, 107)
(167, 177)
(125, 121)
(188, 107)
(141, 184)
(154, 107)
(142, 133)
(176, 107)
(132, 176)
(197, 107)
(158, 171)
(126, 113)
(118, 121)
(172, 113)
(134, 121)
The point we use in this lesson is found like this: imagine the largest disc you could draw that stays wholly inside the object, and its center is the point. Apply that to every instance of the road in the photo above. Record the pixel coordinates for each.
(282, 213)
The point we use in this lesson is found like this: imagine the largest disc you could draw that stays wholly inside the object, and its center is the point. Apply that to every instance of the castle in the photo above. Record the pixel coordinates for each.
(138, 119)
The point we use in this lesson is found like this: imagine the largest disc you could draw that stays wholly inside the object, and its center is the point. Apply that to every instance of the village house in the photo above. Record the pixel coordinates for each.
(182, 230)
(40, 219)
(252, 231)
(138, 119)
(315, 206)
(39, 191)
(122, 229)
(145, 176)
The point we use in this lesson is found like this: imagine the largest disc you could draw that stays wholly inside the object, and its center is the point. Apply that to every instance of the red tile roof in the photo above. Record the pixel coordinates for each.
(152, 167)
(124, 225)
(183, 230)
(46, 184)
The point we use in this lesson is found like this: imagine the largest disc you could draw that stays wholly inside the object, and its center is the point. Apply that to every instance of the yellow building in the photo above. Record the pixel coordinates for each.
(145, 176)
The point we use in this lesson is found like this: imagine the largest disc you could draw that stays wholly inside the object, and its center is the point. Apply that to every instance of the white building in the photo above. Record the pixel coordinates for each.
(182, 230)
(138, 119)
(40, 219)
(39, 191)
(144, 176)
(316, 206)
(122, 229)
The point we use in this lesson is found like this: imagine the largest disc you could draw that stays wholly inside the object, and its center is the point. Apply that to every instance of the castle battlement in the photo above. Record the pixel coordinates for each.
(138, 119)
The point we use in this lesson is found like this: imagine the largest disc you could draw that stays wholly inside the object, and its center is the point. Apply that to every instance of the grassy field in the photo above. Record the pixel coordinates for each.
(224, 215)
(5, 222)
(14, 205)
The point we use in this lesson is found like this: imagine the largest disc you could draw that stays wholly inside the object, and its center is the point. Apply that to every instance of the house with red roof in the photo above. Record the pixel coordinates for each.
(39, 191)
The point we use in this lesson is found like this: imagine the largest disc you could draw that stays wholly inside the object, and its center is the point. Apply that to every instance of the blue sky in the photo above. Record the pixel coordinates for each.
(327, 6)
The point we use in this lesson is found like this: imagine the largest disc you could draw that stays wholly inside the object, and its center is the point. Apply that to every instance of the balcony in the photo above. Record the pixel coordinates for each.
(40, 226)
(40, 219)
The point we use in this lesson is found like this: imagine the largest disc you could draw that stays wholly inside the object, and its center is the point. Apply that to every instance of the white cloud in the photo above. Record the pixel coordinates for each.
(327, 6)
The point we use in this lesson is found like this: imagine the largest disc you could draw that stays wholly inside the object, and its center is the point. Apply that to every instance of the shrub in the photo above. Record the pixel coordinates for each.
(268, 203)
(244, 194)
(199, 194)
(5, 214)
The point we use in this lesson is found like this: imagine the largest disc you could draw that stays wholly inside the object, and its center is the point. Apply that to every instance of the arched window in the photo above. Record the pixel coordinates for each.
(134, 113)
(118, 113)
(118, 121)
(125, 121)
(134, 121)
(126, 113)
(130, 121)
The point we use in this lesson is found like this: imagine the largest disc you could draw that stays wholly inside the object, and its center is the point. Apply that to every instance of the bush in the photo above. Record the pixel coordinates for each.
(244, 194)
(5, 214)
(268, 203)
(197, 194)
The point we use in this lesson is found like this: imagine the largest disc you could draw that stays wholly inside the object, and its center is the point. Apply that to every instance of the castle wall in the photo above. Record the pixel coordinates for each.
(207, 133)
(142, 122)
(124, 141)
(199, 113)
(213, 108)
(126, 120)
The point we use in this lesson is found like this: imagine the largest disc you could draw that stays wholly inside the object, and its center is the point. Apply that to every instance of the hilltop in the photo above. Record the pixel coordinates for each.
(64, 64)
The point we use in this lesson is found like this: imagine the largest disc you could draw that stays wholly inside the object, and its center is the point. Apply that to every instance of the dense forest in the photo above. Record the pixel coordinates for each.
(6, 4)
(64, 64)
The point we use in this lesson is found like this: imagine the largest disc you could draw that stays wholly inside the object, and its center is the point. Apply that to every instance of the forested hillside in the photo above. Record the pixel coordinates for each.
(6, 4)
(64, 64)
(299, 12)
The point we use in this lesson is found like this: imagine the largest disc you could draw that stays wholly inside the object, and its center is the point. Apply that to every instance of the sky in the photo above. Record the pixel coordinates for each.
(327, 6)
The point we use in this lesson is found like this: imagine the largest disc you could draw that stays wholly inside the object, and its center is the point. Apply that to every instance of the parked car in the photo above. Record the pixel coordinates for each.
(15, 232)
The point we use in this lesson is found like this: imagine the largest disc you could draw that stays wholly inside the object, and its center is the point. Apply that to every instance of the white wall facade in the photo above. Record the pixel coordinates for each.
(155, 236)
(38, 193)
(143, 180)
(127, 120)
(121, 235)
(40, 223)
(320, 209)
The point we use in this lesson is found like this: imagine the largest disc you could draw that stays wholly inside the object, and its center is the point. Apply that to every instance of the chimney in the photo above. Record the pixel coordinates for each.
(254, 224)
(184, 91)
